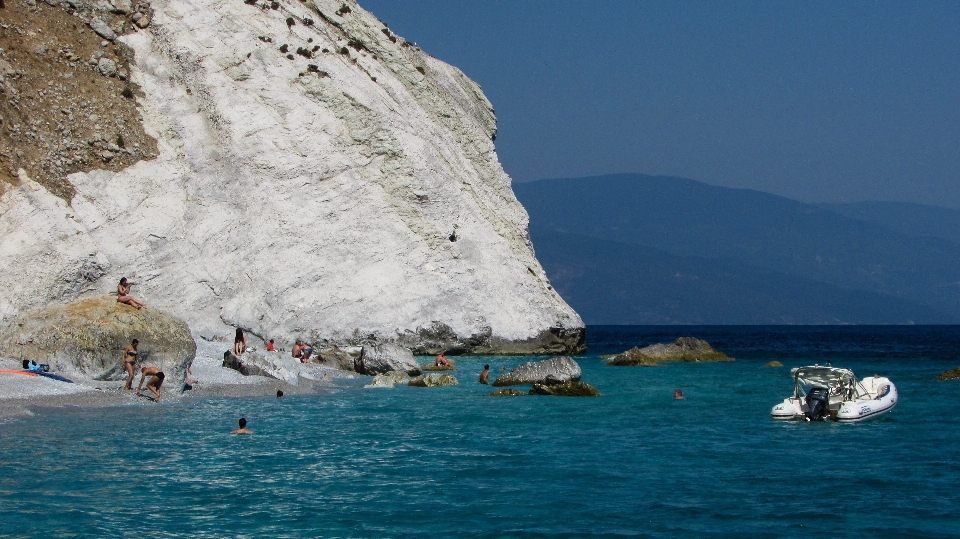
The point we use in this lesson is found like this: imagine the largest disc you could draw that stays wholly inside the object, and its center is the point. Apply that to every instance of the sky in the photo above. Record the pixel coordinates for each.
(816, 101)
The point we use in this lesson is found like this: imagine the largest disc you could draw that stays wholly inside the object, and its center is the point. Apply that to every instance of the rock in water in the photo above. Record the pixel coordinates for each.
(380, 380)
(684, 349)
(774, 363)
(556, 370)
(566, 389)
(433, 380)
(273, 365)
(952, 374)
(322, 203)
(381, 358)
(89, 335)
(508, 392)
(336, 358)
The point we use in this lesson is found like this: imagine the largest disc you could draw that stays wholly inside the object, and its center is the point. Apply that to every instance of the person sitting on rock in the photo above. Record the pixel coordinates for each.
(484, 376)
(239, 343)
(271, 347)
(154, 383)
(305, 352)
(123, 295)
(441, 360)
(129, 359)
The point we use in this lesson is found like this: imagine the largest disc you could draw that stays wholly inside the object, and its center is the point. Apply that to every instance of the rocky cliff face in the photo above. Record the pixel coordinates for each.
(317, 177)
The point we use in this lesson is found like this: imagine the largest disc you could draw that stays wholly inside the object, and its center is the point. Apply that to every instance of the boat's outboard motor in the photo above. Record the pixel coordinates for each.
(818, 404)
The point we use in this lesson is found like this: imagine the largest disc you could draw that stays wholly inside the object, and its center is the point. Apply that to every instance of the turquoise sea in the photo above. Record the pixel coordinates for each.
(442, 462)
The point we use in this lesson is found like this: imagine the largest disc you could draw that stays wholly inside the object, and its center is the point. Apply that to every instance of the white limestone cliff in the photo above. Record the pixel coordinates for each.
(315, 197)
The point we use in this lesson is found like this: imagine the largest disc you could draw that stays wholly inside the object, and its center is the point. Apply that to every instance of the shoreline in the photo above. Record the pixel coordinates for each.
(21, 395)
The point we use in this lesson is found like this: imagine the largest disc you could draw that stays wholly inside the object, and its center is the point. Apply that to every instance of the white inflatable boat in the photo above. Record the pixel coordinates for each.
(828, 392)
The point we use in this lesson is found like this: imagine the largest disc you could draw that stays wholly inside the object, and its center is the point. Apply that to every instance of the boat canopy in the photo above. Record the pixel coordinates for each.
(828, 377)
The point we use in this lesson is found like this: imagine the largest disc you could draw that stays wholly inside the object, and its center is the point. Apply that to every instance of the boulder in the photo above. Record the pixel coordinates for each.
(508, 392)
(106, 67)
(566, 389)
(952, 374)
(774, 363)
(335, 358)
(273, 365)
(433, 380)
(379, 358)
(246, 368)
(556, 370)
(88, 336)
(684, 349)
(101, 28)
(380, 380)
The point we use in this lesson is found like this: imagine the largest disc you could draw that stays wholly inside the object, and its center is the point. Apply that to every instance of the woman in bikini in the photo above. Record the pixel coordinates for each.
(129, 360)
(123, 295)
(239, 343)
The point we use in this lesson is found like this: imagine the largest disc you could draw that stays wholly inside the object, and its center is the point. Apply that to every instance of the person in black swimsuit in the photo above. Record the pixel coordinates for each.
(129, 359)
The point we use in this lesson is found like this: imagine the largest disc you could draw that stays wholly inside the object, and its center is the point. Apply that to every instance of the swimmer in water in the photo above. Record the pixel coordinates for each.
(243, 428)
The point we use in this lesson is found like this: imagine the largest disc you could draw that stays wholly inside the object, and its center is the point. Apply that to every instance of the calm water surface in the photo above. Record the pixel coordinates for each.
(439, 462)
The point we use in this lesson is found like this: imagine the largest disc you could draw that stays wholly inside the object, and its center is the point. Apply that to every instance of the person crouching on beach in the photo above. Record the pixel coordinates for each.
(155, 382)
(129, 359)
(123, 295)
(239, 343)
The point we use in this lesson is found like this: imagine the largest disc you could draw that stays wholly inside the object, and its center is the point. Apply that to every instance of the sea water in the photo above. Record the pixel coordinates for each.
(452, 461)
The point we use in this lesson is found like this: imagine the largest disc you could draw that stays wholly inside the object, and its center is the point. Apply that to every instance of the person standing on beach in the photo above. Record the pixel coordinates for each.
(243, 428)
(154, 384)
(123, 295)
(485, 375)
(129, 359)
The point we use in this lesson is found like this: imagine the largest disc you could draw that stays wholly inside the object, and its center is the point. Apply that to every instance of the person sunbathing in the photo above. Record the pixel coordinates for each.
(154, 383)
(123, 295)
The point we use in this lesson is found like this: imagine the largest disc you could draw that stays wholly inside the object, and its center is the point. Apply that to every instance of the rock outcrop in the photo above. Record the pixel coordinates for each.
(684, 349)
(273, 365)
(380, 358)
(566, 389)
(433, 380)
(774, 363)
(952, 374)
(89, 335)
(556, 370)
(275, 144)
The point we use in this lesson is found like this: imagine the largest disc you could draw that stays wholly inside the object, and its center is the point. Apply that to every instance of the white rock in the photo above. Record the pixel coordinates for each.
(295, 206)
(107, 67)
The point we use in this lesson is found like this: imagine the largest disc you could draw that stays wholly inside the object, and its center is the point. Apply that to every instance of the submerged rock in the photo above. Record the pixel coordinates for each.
(684, 349)
(774, 363)
(952, 374)
(89, 335)
(379, 358)
(508, 392)
(556, 370)
(566, 389)
(380, 380)
(433, 380)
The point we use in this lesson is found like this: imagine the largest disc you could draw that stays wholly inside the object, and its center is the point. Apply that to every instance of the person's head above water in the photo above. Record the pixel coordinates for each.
(486, 367)
(279, 393)
(243, 422)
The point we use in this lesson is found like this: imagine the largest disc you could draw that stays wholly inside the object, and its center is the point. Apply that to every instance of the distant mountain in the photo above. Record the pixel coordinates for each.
(909, 219)
(710, 254)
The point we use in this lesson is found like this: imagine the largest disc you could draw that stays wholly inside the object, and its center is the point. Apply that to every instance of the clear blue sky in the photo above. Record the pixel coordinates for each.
(818, 101)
